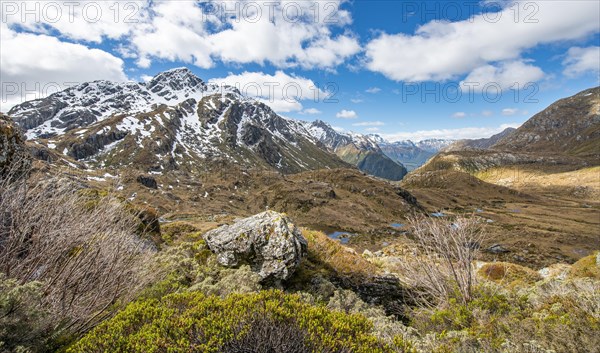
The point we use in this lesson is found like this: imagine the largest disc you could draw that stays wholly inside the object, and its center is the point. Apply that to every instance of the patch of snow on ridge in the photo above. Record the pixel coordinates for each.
(104, 99)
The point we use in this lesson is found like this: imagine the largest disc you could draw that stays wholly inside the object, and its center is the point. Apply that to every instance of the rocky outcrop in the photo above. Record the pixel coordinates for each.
(147, 181)
(269, 242)
(13, 156)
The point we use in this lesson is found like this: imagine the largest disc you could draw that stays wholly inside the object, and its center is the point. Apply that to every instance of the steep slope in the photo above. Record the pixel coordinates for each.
(563, 137)
(175, 121)
(359, 150)
(569, 126)
(482, 144)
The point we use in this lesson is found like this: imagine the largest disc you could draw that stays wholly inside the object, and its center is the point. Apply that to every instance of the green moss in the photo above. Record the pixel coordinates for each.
(586, 267)
(171, 232)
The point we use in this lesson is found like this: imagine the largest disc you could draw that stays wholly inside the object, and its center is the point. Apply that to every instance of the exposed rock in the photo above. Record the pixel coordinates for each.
(384, 290)
(147, 181)
(269, 242)
(569, 126)
(497, 249)
(558, 271)
(13, 155)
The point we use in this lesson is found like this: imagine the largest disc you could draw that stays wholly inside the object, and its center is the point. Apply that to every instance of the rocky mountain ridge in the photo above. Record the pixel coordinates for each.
(569, 126)
(483, 143)
(363, 151)
(566, 135)
(177, 121)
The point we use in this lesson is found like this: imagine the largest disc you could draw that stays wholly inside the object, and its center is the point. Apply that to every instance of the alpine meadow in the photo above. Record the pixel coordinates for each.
(300, 176)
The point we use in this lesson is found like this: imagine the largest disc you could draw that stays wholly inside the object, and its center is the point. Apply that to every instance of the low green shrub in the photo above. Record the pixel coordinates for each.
(171, 232)
(194, 322)
(24, 323)
(551, 316)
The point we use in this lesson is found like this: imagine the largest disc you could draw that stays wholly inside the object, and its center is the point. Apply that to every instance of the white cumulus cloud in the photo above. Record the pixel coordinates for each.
(369, 123)
(455, 134)
(346, 114)
(442, 50)
(33, 66)
(286, 34)
(516, 74)
(282, 92)
(311, 111)
(582, 60)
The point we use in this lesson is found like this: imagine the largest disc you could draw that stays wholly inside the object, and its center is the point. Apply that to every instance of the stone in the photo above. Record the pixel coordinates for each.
(147, 181)
(269, 242)
(14, 157)
(497, 249)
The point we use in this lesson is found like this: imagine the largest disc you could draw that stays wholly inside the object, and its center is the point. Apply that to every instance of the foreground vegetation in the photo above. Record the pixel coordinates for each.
(84, 271)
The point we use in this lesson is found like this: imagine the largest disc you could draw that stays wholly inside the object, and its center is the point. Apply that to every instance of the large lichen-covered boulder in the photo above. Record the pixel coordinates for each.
(269, 242)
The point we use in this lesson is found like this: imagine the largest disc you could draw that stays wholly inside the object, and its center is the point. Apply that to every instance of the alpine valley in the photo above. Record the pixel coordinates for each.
(250, 229)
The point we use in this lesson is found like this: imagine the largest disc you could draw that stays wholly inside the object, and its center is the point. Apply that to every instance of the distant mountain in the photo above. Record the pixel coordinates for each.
(360, 150)
(411, 154)
(570, 126)
(481, 144)
(564, 136)
(176, 121)
(434, 145)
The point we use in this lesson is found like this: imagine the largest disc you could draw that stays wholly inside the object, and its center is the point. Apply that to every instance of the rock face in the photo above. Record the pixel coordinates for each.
(269, 242)
(147, 181)
(12, 147)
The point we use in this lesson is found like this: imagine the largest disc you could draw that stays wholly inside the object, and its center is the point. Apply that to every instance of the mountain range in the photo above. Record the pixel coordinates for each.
(177, 121)
(412, 154)
(564, 135)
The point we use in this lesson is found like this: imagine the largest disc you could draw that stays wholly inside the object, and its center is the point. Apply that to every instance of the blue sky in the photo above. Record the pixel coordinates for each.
(387, 67)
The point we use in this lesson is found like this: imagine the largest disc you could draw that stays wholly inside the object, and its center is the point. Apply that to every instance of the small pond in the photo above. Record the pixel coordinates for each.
(343, 237)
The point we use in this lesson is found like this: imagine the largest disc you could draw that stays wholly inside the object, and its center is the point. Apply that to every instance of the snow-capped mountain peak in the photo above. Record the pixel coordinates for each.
(91, 102)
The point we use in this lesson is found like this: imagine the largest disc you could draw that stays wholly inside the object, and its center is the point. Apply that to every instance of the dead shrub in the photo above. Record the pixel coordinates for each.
(442, 266)
(86, 254)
